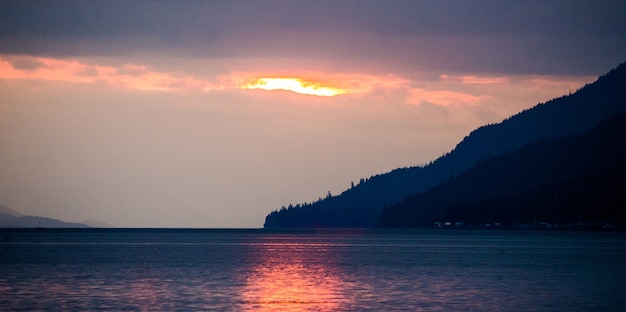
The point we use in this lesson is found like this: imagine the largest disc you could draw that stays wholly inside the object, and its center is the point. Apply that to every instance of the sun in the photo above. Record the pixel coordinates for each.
(296, 85)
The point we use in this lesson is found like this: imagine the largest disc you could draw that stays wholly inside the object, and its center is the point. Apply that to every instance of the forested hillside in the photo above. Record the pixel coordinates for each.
(570, 179)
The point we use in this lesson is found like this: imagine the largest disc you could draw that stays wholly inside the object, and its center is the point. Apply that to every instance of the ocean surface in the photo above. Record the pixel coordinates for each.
(316, 270)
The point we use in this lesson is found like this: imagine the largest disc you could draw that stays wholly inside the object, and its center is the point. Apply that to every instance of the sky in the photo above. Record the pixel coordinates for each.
(211, 114)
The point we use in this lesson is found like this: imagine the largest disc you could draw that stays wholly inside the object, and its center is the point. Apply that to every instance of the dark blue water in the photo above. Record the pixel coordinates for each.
(256, 270)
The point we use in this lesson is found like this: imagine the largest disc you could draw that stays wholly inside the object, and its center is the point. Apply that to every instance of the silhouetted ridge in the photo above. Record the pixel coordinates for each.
(11, 221)
(569, 179)
(361, 205)
(573, 114)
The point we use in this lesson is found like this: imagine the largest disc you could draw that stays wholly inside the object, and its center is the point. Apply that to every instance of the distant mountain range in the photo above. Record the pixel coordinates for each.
(12, 219)
(500, 172)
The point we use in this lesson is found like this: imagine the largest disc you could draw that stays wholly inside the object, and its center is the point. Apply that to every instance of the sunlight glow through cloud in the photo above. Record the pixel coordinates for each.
(295, 85)
(448, 90)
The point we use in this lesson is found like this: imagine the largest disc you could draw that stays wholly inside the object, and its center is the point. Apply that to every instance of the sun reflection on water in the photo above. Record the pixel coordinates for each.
(293, 278)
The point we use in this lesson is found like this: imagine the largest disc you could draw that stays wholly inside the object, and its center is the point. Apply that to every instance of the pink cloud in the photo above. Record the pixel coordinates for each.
(130, 76)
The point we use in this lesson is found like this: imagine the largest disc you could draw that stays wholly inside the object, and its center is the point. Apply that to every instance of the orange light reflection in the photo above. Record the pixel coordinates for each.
(288, 280)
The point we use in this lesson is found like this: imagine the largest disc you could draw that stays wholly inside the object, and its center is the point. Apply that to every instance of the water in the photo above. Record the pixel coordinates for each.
(256, 270)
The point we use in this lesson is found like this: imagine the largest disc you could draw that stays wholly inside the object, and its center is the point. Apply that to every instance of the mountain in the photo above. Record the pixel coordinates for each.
(11, 219)
(570, 179)
(362, 205)
(9, 211)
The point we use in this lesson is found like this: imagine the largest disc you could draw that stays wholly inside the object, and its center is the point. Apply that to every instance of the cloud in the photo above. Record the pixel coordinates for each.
(530, 37)
(474, 79)
(442, 97)
(25, 63)
(127, 76)
(446, 90)
(146, 78)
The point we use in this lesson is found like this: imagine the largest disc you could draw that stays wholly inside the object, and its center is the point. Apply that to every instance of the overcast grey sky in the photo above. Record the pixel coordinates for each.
(149, 113)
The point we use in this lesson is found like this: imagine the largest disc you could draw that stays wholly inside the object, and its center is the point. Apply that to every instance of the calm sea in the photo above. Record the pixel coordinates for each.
(356, 270)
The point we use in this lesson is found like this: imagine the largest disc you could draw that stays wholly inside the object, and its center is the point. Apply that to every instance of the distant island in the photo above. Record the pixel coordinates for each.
(560, 163)
(10, 218)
